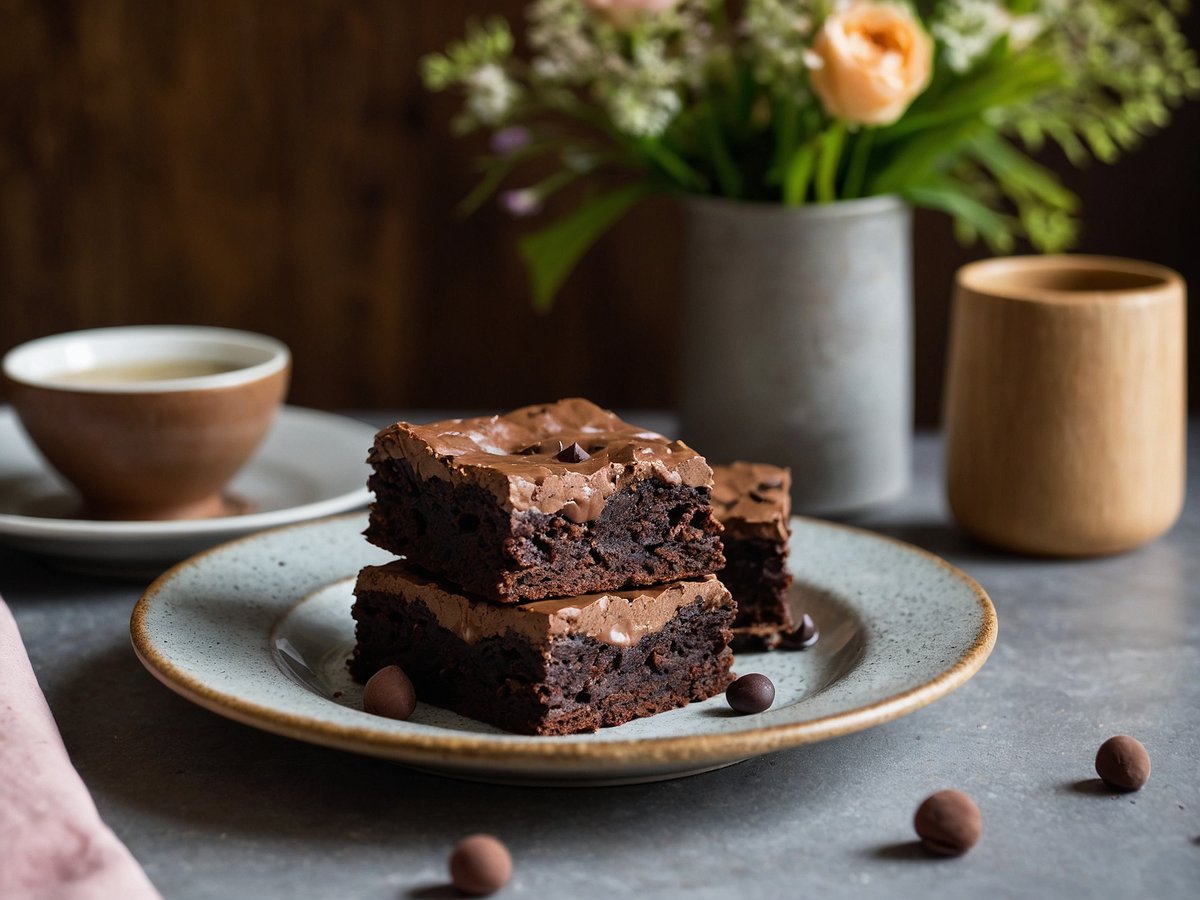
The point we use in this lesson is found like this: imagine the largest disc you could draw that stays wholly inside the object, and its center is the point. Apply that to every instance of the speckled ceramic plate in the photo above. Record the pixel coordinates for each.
(259, 630)
(279, 487)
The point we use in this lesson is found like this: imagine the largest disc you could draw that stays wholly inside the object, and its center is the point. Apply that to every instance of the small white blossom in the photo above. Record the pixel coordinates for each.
(778, 34)
(567, 47)
(967, 29)
(642, 112)
(1024, 30)
(491, 94)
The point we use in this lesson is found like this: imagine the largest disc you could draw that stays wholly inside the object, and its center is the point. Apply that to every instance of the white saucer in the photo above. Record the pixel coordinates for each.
(312, 464)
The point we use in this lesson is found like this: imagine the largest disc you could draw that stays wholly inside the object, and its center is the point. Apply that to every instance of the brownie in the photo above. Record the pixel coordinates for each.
(546, 501)
(752, 502)
(549, 666)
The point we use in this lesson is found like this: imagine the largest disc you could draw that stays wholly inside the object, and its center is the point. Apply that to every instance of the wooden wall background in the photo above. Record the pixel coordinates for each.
(275, 165)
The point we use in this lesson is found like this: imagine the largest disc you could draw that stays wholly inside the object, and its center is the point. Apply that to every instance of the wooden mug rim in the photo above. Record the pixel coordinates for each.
(987, 278)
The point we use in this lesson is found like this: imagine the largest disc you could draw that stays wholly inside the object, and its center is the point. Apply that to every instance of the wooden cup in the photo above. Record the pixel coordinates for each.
(1065, 408)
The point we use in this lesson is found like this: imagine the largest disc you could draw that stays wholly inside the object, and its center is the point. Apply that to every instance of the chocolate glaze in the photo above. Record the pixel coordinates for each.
(752, 500)
(515, 456)
(620, 618)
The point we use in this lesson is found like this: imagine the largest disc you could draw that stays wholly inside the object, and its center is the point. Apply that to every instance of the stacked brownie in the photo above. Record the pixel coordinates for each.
(556, 574)
(752, 501)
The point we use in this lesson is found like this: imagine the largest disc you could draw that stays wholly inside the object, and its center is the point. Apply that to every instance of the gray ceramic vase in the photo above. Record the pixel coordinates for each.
(797, 344)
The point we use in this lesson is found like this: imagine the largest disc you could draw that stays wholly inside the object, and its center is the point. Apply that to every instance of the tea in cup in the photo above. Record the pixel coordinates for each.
(148, 422)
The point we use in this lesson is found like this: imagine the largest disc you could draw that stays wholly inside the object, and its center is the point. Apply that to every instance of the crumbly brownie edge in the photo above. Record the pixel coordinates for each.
(573, 684)
(756, 639)
(756, 574)
(459, 532)
(648, 533)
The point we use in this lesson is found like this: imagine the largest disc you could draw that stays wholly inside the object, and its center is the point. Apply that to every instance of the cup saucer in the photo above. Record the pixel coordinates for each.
(312, 464)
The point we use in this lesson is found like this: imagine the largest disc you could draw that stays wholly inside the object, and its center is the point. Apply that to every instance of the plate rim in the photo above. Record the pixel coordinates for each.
(99, 531)
(457, 750)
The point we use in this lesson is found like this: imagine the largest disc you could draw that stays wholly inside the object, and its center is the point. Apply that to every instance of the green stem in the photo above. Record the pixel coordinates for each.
(728, 177)
(556, 182)
(857, 173)
(672, 165)
(551, 253)
(786, 119)
(827, 163)
(718, 17)
(744, 95)
(799, 173)
(495, 173)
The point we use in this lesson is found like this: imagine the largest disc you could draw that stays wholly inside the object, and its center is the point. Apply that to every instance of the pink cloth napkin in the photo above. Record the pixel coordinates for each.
(53, 845)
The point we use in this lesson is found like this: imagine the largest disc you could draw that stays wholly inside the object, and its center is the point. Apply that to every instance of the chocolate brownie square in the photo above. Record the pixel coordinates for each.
(752, 502)
(546, 501)
(549, 666)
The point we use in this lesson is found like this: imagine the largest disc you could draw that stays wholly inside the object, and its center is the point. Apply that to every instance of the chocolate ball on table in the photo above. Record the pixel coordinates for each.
(948, 823)
(1123, 763)
(390, 693)
(480, 865)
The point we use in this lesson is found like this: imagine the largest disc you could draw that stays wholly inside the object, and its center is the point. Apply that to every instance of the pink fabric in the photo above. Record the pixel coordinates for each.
(53, 845)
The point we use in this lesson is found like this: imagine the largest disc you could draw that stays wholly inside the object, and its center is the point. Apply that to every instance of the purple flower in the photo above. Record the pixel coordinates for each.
(521, 203)
(508, 141)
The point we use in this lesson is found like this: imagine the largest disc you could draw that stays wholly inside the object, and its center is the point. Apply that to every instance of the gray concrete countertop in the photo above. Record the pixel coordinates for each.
(1087, 649)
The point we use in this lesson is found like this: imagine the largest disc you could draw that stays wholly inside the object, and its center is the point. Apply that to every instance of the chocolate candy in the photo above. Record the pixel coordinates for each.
(572, 454)
(480, 864)
(751, 693)
(390, 693)
(1123, 763)
(948, 823)
(802, 636)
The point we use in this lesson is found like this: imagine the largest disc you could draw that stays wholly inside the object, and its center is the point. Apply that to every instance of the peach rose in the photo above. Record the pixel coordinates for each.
(869, 61)
(624, 12)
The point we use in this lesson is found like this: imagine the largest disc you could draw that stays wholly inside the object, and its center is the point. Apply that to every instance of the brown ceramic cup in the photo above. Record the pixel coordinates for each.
(148, 422)
(1065, 414)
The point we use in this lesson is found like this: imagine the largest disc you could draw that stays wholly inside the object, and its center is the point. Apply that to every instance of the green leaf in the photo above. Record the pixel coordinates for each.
(913, 161)
(946, 195)
(1020, 175)
(552, 253)
(1003, 86)
(672, 165)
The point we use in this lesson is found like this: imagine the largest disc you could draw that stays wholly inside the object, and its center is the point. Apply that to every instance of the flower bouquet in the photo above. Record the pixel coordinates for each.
(810, 101)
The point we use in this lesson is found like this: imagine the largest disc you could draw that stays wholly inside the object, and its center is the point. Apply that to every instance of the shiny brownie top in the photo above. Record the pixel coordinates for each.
(752, 500)
(563, 458)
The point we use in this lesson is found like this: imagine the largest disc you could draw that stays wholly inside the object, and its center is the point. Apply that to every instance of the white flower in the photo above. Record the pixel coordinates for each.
(624, 13)
(491, 94)
(967, 29)
(565, 46)
(642, 112)
(778, 34)
(1024, 30)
